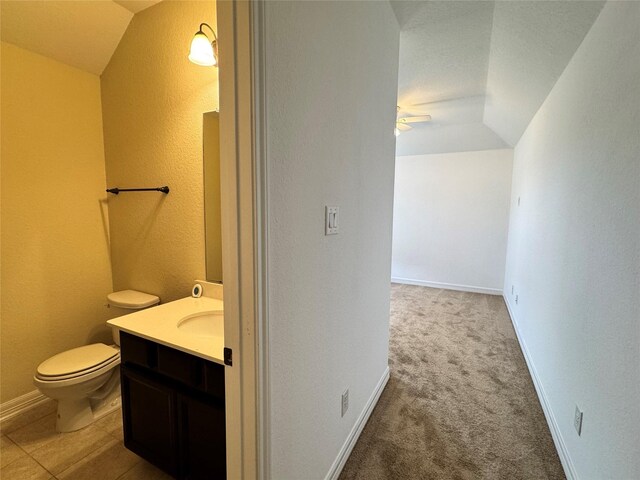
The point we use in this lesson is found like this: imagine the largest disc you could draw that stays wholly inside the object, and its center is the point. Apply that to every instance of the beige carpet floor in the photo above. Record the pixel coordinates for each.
(460, 403)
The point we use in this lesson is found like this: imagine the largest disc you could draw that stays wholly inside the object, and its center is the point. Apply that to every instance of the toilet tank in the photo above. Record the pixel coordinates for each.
(129, 301)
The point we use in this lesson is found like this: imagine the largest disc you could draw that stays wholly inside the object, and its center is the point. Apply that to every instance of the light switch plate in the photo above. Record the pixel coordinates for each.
(331, 226)
(345, 402)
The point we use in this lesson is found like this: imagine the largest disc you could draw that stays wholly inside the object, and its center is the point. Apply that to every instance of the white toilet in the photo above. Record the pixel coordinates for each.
(85, 380)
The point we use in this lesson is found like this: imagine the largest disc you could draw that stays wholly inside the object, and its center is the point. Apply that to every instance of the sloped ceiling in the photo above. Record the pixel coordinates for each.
(135, 6)
(80, 33)
(481, 69)
(531, 44)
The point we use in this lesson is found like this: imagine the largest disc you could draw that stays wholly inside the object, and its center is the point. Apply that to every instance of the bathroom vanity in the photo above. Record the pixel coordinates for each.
(172, 381)
(173, 409)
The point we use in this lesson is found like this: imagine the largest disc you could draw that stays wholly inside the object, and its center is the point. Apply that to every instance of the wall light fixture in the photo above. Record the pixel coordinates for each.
(204, 51)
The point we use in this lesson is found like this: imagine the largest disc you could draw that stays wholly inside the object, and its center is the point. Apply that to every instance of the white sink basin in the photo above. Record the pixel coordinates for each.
(203, 324)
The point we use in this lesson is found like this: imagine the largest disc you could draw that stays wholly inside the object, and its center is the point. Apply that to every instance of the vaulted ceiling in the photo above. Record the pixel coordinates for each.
(481, 69)
(81, 33)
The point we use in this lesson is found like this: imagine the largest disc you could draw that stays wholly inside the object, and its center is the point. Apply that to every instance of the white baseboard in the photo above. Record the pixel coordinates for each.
(448, 286)
(563, 452)
(25, 402)
(345, 451)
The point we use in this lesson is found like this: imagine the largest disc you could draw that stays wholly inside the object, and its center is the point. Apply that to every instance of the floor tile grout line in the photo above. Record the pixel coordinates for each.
(26, 453)
(35, 460)
(30, 454)
(85, 457)
(112, 437)
(56, 434)
(45, 468)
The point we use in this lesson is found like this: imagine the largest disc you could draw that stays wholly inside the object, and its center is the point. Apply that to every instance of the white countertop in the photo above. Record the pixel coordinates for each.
(160, 324)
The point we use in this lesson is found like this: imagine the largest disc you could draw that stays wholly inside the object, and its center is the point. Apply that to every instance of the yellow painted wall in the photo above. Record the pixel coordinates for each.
(55, 270)
(153, 99)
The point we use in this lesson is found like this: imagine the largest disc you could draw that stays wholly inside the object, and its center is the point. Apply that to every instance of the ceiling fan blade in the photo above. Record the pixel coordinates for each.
(403, 127)
(418, 119)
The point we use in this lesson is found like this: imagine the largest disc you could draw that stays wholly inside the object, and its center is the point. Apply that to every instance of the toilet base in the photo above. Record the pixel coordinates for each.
(104, 407)
(74, 414)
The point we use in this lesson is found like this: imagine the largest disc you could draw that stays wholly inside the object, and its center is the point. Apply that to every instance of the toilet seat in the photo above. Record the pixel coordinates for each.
(77, 365)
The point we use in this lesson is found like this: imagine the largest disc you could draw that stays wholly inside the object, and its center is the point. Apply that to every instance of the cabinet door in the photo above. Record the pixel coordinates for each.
(149, 417)
(203, 441)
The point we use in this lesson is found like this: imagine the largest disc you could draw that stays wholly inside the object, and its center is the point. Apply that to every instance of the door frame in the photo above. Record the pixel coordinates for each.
(244, 235)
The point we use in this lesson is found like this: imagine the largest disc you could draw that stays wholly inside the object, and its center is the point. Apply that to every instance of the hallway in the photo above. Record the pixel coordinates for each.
(460, 403)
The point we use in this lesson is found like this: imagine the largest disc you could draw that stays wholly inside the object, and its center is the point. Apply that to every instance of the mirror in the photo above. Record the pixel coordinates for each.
(212, 202)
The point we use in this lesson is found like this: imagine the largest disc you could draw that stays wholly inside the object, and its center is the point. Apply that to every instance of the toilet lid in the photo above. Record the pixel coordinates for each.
(77, 360)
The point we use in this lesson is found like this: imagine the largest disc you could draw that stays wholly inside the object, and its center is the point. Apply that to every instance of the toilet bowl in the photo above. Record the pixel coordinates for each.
(85, 380)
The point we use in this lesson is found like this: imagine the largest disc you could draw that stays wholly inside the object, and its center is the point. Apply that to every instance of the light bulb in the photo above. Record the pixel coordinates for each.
(201, 52)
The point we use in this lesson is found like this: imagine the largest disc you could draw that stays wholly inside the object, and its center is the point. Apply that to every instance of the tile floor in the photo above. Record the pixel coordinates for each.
(30, 449)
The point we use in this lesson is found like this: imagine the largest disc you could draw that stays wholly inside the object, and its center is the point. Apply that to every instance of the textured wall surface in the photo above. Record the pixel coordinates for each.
(574, 247)
(330, 142)
(153, 99)
(55, 252)
(451, 217)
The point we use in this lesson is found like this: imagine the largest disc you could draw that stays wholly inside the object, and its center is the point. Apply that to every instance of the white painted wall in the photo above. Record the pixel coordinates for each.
(574, 249)
(331, 83)
(450, 219)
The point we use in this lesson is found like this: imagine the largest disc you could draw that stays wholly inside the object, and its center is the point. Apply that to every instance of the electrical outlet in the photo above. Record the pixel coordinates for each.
(345, 402)
(577, 420)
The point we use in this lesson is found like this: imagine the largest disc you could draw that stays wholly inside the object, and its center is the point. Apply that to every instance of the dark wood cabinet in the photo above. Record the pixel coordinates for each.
(173, 409)
(203, 449)
(150, 420)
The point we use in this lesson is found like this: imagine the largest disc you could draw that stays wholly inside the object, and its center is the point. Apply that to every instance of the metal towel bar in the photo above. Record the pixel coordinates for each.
(117, 190)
